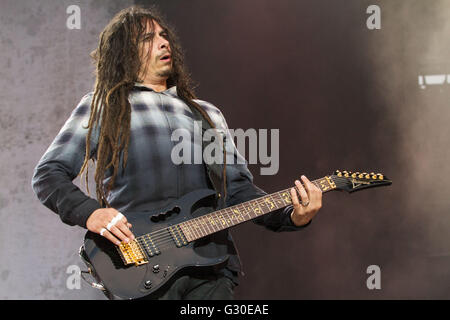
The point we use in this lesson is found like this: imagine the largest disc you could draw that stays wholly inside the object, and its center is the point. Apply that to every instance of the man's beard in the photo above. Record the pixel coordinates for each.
(166, 72)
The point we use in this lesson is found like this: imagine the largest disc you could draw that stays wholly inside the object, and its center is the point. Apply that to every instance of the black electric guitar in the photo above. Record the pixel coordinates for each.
(167, 242)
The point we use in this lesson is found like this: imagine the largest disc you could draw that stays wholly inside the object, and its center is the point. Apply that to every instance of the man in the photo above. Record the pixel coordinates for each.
(142, 94)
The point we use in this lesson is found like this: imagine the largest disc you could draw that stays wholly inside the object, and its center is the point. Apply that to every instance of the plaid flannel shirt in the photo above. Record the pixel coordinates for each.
(150, 180)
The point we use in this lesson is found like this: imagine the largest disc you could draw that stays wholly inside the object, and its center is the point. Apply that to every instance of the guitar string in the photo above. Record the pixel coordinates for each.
(167, 237)
(160, 234)
(226, 213)
(223, 212)
(259, 201)
(167, 241)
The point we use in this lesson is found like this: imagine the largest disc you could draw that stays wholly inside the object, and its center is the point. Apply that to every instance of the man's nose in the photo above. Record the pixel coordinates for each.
(164, 44)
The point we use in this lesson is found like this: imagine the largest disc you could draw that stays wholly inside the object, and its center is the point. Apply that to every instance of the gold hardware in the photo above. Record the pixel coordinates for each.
(132, 253)
(330, 182)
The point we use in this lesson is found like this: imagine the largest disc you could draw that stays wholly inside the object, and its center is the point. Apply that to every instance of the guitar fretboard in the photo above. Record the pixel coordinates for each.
(228, 217)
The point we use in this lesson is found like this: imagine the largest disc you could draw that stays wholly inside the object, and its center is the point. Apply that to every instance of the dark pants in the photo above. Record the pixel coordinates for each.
(217, 287)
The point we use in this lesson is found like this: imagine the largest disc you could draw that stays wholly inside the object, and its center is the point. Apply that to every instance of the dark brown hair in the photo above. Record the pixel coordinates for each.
(118, 67)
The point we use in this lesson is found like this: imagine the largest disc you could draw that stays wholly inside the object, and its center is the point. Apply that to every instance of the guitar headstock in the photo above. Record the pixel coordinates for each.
(355, 181)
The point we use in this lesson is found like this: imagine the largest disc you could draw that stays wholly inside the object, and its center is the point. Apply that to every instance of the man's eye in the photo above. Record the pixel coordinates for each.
(147, 37)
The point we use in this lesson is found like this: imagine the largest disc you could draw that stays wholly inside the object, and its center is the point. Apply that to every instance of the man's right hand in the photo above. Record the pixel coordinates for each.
(100, 219)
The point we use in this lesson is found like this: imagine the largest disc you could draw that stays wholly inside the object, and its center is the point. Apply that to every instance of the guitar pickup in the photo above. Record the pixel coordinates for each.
(132, 253)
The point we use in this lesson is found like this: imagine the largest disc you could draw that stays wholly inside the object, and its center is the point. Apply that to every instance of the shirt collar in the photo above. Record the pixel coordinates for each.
(172, 91)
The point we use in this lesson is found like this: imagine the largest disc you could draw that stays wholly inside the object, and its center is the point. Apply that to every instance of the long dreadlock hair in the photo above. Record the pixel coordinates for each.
(118, 67)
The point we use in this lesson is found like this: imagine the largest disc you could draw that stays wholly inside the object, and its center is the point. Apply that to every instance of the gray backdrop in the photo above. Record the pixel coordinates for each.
(343, 96)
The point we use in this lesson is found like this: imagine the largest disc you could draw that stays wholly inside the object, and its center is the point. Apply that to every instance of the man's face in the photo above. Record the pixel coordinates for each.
(155, 52)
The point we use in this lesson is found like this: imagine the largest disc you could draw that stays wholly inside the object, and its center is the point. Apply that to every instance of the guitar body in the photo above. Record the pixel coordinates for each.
(135, 281)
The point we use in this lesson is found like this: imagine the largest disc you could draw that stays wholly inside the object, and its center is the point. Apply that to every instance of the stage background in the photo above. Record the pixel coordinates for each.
(343, 97)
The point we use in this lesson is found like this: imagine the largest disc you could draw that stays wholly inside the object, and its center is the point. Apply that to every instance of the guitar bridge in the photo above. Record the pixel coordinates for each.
(132, 253)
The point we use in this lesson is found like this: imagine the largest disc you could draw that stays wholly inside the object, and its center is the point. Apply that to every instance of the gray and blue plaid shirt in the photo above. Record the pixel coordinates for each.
(150, 180)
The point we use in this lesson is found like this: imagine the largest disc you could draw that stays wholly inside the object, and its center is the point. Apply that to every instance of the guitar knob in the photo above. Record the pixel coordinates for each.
(148, 284)
(156, 268)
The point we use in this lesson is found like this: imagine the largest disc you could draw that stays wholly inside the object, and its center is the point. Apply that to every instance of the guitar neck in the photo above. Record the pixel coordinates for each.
(228, 217)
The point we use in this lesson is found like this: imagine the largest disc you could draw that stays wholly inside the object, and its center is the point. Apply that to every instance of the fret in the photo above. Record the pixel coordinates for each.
(223, 220)
(278, 201)
(243, 211)
(257, 208)
(217, 220)
(326, 184)
(187, 232)
(269, 203)
(212, 222)
(274, 201)
(247, 212)
(198, 223)
(286, 197)
(205, 224)
(227, 217)
(194, 229)
(237, 213)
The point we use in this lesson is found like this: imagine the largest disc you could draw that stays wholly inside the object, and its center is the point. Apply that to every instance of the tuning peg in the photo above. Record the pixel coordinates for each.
(346, 174)
(354, 175)
(367, 176)
(380, 176)
(360, 176)
(339, 174)
(374, 177)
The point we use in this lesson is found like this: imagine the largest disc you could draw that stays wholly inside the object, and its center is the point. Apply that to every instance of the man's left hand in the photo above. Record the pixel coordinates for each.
(311, 201)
